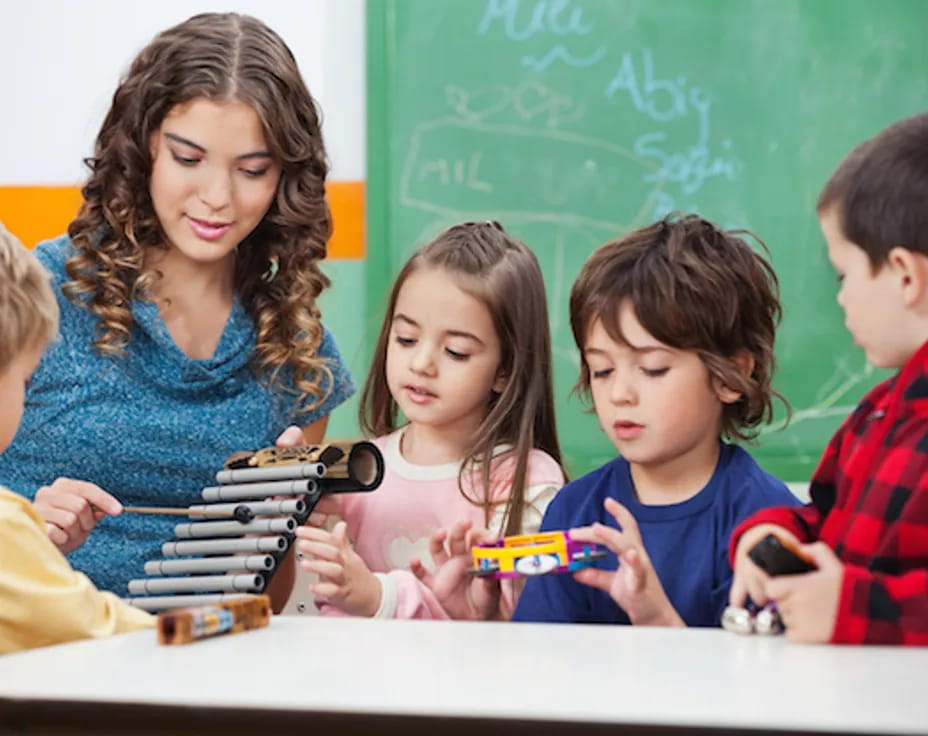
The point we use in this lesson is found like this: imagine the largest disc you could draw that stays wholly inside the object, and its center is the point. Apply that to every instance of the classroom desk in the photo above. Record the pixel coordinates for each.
(322, 675)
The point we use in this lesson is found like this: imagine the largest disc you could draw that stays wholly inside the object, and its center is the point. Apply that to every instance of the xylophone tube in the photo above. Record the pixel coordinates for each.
(167, 602)
(210, 564)
(234, 528)
(258, 508)
(258, 490)
(274, 472)
(223, 546)
(198, 584)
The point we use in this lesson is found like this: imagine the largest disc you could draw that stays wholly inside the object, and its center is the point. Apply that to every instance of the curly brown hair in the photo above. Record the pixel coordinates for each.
(693, 287)
(499, 270)
(217, 57)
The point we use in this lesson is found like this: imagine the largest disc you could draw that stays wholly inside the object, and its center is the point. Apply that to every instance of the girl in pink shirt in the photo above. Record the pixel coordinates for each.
(465, 354)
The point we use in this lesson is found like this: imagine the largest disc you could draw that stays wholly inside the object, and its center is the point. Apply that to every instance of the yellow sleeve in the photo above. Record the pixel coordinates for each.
(43, 600)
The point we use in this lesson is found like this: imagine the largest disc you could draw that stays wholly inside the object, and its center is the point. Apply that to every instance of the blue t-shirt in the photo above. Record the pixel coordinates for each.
(151, 428)
(687, 542)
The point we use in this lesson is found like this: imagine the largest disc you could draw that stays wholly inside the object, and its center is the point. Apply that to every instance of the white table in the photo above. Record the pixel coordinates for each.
(367, 676)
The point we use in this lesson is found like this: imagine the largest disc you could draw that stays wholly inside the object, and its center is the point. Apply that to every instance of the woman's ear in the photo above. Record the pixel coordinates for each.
(744, 361)
(911, 269)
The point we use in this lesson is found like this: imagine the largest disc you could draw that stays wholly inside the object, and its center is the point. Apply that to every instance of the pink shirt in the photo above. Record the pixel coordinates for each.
(393, 524)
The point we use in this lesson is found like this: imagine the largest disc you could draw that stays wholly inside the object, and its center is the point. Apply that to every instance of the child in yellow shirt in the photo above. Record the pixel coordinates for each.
(43, 600)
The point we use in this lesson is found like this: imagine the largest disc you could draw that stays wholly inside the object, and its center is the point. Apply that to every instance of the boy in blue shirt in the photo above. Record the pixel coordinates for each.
(675, 325)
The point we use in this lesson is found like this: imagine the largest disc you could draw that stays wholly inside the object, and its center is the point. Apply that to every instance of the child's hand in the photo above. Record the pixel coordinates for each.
(635, 585)
(71, 509)
(463, 596)
(749, 579)
(808, 603)
(344, 579)
(328, 505)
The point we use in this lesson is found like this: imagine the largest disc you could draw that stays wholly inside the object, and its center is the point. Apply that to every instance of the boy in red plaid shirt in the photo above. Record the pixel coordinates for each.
(866, 528)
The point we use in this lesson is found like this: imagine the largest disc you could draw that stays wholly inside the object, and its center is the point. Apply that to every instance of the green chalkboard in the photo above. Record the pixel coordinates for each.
(573, 122)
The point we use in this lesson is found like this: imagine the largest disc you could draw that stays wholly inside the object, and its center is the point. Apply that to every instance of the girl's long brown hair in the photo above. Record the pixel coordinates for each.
(504, 274)
(217, 57)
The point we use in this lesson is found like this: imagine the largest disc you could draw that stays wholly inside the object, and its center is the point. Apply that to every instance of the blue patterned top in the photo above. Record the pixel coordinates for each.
(151, 428)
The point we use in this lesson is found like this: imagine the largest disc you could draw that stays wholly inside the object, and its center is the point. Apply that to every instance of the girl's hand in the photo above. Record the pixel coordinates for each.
(749, 579)
(635, 585)
(344, 579)
(71, 509)
(808, 603)
(327, 506)
(462, 595)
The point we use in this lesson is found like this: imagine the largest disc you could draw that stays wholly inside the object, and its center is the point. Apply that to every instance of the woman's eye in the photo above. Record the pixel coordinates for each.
(603, 373)
(405, 341)
(254, 173)
(185, 160)
(455, 355)
(654, 372)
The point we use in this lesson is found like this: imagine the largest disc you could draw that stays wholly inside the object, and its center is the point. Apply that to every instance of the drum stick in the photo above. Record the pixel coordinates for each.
(240, 513)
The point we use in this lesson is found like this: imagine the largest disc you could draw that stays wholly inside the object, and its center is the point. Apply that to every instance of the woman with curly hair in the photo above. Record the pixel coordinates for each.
(187, 286)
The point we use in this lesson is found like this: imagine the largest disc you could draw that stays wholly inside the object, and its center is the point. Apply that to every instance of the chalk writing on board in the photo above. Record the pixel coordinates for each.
(557, 17)
(529, 100)
(471, 162)
(559, 53)
(522, 22)
(664, 100)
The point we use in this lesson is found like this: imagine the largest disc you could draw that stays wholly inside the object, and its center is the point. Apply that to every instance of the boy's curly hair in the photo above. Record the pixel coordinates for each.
(693, 287)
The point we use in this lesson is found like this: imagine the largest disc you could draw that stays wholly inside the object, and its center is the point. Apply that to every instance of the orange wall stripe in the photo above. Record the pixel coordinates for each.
(347, 200)
(36, 213)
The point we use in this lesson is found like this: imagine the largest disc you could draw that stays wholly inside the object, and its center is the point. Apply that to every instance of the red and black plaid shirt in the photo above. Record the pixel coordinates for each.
(870, 505)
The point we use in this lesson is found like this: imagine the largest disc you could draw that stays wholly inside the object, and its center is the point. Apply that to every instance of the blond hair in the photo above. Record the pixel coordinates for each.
(28, 309)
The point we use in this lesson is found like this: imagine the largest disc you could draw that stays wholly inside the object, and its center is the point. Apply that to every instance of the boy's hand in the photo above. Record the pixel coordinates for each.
(749, 579)
(344, 579)
(808, 603)
(462, 595)
(635, 585)
(71, 509)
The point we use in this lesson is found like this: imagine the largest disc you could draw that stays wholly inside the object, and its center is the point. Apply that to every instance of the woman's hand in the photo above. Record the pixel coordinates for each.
(292, 436)
(71, 509)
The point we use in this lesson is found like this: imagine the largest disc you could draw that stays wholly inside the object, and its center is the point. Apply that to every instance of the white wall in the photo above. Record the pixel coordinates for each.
(61, 60)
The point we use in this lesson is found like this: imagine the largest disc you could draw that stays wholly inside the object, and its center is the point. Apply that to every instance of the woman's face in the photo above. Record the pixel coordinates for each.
(213, 177)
